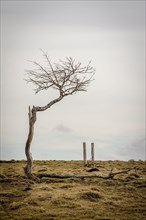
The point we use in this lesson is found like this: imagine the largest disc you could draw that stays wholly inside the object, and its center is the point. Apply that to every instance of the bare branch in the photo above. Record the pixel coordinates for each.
(68, 77)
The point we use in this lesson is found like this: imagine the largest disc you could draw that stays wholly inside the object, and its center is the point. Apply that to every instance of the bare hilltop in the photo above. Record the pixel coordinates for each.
(71, 190)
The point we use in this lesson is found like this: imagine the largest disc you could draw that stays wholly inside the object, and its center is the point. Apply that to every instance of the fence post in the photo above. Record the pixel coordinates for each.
(84, 153)
(92, 152)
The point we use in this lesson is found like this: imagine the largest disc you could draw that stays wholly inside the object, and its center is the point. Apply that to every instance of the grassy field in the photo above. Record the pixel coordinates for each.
(123, 197)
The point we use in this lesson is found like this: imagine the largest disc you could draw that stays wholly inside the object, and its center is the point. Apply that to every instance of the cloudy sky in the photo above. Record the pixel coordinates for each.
(111, 114)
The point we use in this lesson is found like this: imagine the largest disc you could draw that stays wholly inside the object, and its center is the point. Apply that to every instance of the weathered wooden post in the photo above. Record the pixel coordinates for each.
(84, 153)
(92, 152)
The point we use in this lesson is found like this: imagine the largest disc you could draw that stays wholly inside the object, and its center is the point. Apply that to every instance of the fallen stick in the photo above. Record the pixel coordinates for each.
(65, 176)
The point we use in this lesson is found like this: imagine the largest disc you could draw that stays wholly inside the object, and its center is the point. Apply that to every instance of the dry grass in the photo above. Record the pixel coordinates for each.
(123, 197)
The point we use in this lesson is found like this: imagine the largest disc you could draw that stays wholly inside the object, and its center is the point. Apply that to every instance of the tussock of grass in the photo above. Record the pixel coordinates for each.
(91, 196)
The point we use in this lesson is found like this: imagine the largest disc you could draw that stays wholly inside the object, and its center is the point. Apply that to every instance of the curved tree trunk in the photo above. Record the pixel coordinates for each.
(32, 120)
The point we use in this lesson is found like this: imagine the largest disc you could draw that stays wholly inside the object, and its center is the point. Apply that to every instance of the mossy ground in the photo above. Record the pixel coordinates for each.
(123, 197)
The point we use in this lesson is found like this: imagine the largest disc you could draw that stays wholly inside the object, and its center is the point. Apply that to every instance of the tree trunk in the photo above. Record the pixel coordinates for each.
(32, 120)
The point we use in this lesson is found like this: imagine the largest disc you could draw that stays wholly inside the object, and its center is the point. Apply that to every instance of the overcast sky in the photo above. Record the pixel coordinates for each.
(111, 114)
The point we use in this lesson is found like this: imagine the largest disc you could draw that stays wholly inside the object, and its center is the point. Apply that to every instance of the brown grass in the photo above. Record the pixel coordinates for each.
(123, 197)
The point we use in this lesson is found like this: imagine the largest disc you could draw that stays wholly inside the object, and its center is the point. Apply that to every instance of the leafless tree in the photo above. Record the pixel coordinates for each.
(68, 77)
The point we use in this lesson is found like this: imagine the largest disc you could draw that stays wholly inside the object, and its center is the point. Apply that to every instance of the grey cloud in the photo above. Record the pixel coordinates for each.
(136, 149)
(95, 14)
(121, 148)
(62, 128)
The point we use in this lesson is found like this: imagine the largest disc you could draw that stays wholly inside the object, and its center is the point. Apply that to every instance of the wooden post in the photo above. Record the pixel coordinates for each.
(84, 153)
(92, 152)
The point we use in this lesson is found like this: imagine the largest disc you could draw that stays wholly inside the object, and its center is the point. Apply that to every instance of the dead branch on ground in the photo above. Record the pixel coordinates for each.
(110, 175)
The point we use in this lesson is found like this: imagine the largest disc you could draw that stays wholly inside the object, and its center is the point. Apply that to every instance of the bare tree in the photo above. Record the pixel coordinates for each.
(68, 77)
